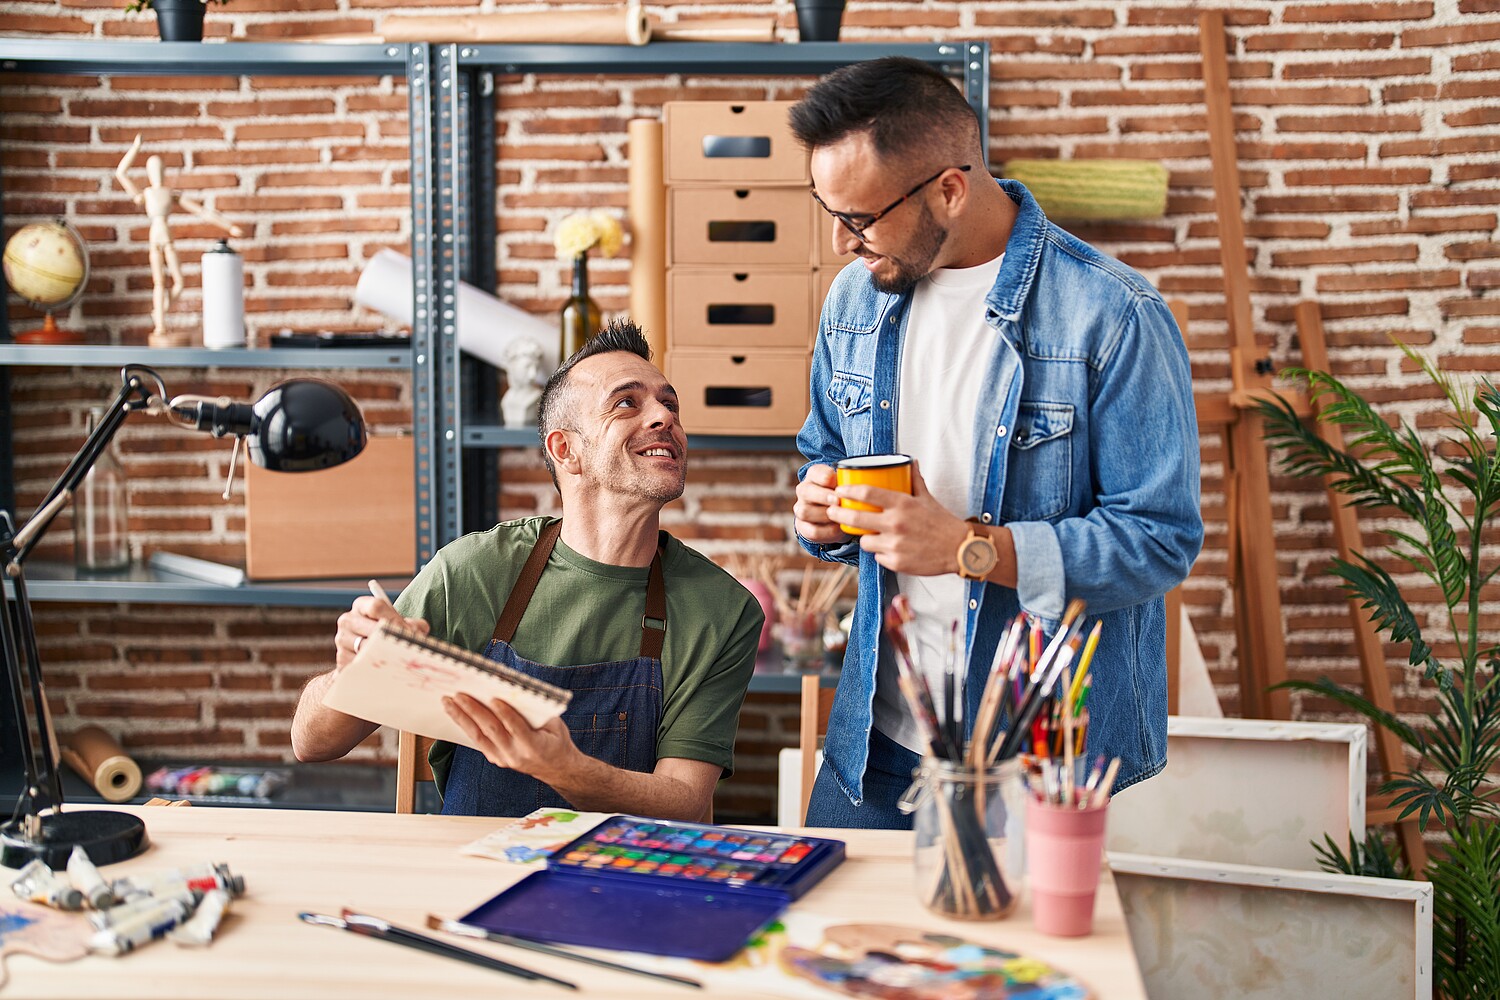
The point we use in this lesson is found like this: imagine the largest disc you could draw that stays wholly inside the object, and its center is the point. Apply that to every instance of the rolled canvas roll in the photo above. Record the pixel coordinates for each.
(716, 29)
(617, 26)
(647, 210)
(100, 760)
(487, 326)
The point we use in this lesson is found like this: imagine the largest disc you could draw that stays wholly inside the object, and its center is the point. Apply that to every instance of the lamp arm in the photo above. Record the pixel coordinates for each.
(141, 388)
(135, 394)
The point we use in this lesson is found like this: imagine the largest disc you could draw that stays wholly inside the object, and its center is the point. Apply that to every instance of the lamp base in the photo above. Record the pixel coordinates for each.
(107, 837)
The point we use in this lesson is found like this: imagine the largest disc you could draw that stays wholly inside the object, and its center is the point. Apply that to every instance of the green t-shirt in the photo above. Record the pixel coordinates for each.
(588, 612)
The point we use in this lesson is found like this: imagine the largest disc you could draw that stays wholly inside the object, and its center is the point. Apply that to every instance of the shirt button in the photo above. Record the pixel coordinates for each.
(893, 320)
(1000, 431)
(885, 404)
(985, 518)
(973, 605)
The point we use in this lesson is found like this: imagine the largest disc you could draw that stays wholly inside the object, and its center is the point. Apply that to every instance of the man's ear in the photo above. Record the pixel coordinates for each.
(954, 187)
(562, 446)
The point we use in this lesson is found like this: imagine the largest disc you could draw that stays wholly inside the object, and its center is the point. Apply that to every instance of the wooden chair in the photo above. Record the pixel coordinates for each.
(1207, 929)
(817, 702)
(411, 767)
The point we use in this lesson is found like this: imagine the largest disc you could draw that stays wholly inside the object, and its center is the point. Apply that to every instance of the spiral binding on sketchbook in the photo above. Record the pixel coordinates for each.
(469, 658)
(399, 678)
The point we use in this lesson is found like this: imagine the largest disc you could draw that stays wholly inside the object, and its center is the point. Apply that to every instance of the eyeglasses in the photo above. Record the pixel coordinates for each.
(858, 222)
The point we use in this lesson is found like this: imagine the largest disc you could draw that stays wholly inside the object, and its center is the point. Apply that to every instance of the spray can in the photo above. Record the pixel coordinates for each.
(223, 297)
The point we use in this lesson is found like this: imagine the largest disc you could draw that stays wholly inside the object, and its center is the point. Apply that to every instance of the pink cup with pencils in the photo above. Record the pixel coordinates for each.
(1064, 852)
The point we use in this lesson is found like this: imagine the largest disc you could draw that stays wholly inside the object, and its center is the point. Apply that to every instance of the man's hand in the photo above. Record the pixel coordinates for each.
(360, 621)
(913, 534)
(507, 740)
(815, 496)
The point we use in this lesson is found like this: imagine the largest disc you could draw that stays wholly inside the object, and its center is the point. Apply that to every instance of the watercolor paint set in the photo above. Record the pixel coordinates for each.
(690, 890)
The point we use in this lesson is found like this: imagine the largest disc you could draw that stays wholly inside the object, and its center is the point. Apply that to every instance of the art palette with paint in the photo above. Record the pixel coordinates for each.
(686, 889)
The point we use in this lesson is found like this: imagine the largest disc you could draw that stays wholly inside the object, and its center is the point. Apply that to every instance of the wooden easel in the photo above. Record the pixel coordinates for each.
(1247, 490)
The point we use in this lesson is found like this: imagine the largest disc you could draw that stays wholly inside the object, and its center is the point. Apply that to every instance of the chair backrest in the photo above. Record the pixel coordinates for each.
(411, 767)
(817, 702)
(1205, 929)
(1246, 791)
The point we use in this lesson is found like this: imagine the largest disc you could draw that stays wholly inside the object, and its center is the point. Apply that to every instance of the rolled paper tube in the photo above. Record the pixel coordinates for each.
(486, 325)
(96, 756)
(717, 29)
(619, 26)
(647, 211)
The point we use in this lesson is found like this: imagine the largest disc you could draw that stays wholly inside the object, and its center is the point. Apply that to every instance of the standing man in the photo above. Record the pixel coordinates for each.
(656, 643)
(1044, 391)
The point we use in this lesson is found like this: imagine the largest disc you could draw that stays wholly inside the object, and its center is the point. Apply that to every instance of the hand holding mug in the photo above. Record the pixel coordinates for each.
(810, 513)
(907, 534)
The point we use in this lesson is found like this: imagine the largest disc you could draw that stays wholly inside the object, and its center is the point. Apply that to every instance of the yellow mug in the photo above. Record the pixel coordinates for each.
(888, 472)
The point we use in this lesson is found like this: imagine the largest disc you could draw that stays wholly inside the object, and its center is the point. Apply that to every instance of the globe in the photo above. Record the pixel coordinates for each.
(47, 265)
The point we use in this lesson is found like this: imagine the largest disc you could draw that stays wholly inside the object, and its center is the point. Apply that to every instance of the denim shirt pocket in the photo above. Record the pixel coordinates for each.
(1039, 479)
(850, 394)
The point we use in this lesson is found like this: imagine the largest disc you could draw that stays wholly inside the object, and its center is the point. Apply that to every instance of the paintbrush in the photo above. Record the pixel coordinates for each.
(1036, 696)
(470, 931)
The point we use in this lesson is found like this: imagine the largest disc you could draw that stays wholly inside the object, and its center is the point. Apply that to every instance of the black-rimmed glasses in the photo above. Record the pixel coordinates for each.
(858, 222)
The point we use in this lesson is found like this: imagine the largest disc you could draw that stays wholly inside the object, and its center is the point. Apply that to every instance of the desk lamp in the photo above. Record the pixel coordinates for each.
(300, 425)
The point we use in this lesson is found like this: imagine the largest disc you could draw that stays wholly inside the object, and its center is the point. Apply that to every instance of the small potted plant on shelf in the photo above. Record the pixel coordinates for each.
(1446, 498)
(176, 20)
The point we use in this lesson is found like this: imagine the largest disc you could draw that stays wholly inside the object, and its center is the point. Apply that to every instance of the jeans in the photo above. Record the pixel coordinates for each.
(887, 776)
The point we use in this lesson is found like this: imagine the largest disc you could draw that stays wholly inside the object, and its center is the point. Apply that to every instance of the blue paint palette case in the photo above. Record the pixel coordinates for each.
(686, 889)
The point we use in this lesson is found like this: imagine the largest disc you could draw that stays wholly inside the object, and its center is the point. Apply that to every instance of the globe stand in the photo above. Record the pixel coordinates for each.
(49, 333)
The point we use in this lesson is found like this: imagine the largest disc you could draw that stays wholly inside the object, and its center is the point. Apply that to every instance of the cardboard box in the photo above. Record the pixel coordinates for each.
(731, 143)
(740, 392)
(357, 519)
(826, 256)
(720, 307)
(739, 226)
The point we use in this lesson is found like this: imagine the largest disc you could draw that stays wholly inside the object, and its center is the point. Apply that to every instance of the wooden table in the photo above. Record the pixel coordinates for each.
(403, 867)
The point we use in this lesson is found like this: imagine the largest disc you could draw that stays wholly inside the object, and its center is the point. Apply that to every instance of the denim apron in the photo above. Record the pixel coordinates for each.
(613, 715)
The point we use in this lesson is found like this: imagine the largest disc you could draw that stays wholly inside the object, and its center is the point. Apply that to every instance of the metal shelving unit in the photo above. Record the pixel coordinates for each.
(466, 89)
(201, 357)
(139, 58)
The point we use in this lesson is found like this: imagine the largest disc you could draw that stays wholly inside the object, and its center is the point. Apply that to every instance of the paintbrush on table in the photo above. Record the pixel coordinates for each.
(470, 931)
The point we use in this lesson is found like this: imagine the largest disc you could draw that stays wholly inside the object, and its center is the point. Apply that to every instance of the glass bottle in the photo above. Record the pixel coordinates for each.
(100, 519)
(580, 316)
(970, 839)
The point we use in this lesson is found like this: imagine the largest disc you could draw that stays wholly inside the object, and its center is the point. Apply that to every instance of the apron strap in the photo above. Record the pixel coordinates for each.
(520, 594)
(653, 623)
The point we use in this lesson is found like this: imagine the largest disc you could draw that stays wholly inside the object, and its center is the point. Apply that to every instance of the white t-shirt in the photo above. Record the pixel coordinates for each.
(944, 358)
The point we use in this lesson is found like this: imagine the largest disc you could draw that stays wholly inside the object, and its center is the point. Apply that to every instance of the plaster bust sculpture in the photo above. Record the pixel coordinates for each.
(523, 370)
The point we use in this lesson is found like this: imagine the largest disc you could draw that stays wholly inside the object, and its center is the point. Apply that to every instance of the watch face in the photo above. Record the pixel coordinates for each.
(977, 557)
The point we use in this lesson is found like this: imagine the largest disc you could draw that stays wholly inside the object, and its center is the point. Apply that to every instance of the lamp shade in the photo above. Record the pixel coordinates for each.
(305, 424)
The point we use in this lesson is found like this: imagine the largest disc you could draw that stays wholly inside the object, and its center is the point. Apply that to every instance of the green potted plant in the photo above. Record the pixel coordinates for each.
(1446, 498)
(176, 20)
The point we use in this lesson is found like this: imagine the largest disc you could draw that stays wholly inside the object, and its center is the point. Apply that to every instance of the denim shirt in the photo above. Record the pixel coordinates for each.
(1089, 456)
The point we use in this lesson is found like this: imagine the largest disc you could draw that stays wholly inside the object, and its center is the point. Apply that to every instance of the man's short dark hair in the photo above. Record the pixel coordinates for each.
(904, 104)
(617, 335)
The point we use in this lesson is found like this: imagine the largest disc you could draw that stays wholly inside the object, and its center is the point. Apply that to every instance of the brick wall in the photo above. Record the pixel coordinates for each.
(1369, 152)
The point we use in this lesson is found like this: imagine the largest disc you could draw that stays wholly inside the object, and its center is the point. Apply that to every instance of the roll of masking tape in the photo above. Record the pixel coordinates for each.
(100, 760)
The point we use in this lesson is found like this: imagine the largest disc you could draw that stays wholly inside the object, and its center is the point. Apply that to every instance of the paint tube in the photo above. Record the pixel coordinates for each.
(37, 883)
(125, 912)
(87, 880)
(201, 877)
(144, 927)
(199, 930)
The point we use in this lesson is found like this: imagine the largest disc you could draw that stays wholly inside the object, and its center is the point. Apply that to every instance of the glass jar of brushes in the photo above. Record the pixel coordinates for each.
(970, 837)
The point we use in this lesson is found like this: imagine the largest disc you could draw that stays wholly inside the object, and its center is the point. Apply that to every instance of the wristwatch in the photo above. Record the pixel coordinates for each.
(976, 556)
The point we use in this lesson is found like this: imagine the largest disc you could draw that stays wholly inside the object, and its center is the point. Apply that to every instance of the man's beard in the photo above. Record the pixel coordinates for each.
(915, 263)
(625, 478)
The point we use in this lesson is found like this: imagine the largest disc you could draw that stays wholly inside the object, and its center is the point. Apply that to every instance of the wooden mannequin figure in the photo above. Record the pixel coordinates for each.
(158, 201)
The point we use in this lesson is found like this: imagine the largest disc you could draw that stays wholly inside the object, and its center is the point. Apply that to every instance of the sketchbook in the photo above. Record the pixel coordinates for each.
(399, 678)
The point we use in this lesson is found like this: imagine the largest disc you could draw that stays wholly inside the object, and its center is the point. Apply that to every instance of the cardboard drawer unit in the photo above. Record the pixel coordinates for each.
(752, 310)
(357, 519)
(719, 142)
(740, 226)
(738, 392)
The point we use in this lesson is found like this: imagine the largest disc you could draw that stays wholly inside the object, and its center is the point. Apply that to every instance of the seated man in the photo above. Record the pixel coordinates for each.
(656, 693)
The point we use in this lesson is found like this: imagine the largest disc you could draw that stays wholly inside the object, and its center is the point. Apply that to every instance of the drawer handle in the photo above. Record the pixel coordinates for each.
(736, 147)
(741, 314)
(743, 396)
